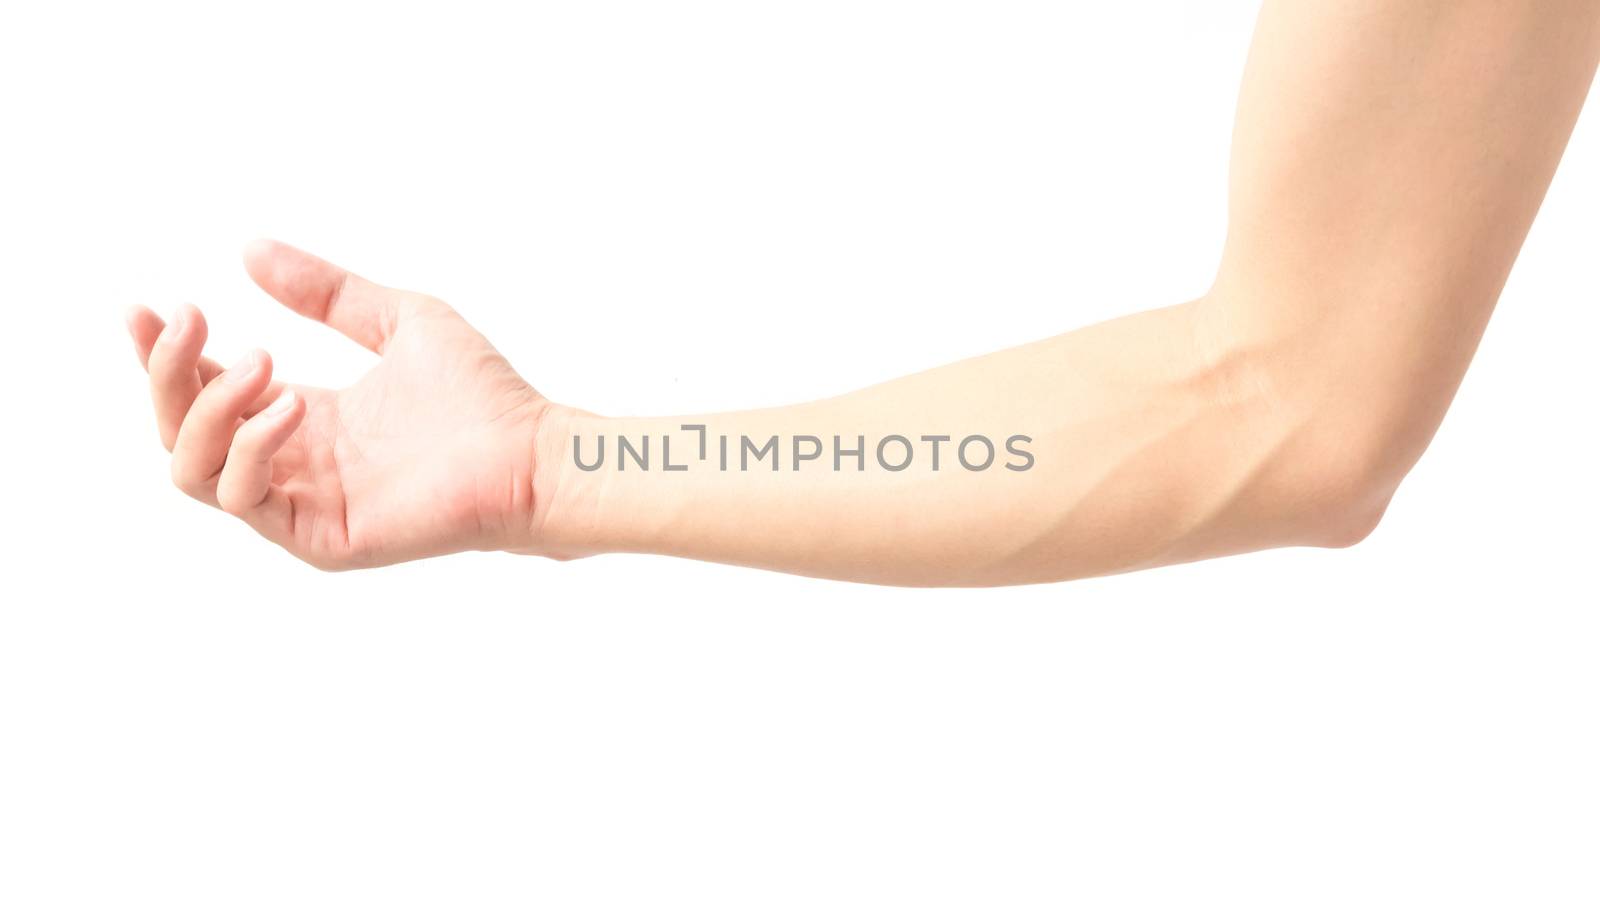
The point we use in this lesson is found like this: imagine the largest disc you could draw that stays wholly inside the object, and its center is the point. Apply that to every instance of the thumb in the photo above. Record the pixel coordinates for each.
(323, 291)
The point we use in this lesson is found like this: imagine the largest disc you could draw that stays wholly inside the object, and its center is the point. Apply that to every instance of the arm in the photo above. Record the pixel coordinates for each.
(1388, 160)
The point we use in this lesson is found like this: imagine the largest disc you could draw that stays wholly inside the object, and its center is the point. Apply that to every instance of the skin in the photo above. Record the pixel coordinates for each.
(1389, 157)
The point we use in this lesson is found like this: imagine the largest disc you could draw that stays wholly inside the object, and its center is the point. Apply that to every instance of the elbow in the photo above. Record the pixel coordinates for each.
(1343, 481)
(1330, 436)
(1318, 467)
(1347, 513)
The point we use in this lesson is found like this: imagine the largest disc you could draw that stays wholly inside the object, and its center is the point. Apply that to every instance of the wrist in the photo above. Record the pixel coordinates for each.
(545, 533)
(563, 523)
(582, 509)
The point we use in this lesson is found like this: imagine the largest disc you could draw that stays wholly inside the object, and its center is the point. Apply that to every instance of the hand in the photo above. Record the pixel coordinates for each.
(433, 451)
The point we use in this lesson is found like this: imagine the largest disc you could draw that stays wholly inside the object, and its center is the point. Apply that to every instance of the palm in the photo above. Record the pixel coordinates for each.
(419, 456)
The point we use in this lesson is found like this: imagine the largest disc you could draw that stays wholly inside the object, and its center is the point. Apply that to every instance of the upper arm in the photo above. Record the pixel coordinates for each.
(1388, 159)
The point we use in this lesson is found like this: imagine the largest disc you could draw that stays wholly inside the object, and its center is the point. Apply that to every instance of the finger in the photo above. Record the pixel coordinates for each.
(207, 431)
(322, 291)
(145, 326)
(245, 488)
(174, 373)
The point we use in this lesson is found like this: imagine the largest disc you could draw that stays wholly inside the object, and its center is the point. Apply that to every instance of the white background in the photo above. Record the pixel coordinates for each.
(685, 207)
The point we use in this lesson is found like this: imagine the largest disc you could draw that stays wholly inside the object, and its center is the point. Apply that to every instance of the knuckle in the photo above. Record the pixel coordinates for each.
(187, 481)
(336, 558)
(328, 563)
(231, 501)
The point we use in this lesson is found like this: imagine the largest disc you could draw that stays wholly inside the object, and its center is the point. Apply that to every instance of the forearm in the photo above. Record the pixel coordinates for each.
(1138, 446)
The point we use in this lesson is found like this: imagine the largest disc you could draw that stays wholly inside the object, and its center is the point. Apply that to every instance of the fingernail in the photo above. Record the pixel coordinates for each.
(244, 366)
(176, 325)
(282, 403)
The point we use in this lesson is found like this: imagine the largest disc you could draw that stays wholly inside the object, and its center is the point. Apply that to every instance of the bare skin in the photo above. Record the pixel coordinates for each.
(431, 452)
(1389, 158)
